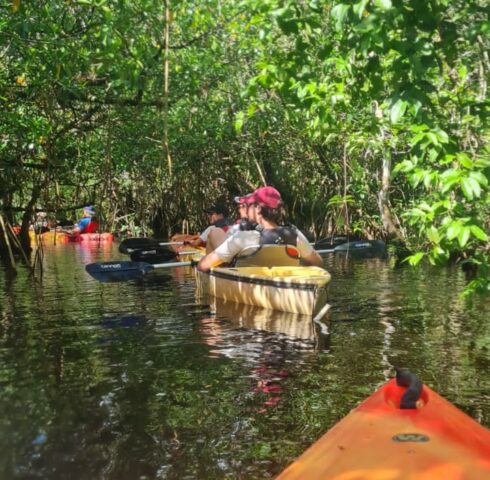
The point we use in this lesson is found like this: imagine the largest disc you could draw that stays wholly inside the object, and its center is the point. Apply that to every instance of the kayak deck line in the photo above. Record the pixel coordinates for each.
(293, 282)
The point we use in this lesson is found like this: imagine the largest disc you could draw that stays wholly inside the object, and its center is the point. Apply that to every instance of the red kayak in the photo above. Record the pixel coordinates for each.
(91, 237)
(402, 431)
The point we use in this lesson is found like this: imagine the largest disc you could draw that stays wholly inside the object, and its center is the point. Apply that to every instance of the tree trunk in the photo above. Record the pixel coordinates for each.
(384, 199)
(166, 148)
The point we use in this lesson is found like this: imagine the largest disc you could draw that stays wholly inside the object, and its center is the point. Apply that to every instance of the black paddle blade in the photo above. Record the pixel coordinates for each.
(332, 242)
(131, 244)
(363, 249)
(153, 256)
(118, 271)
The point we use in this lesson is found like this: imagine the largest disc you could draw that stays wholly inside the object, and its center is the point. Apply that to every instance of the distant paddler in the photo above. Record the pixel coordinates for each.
(218, 235)
(264, 213)
(88, 223)
(41, 224)
(217, 219)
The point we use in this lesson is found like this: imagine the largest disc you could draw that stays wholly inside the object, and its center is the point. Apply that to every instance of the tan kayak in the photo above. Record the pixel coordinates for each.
(289, 289)
(186, 252)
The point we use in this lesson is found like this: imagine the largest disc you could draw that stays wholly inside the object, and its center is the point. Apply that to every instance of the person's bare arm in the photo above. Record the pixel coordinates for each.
(309, 256)
(215, 238)
(209, 261)
(195, 243)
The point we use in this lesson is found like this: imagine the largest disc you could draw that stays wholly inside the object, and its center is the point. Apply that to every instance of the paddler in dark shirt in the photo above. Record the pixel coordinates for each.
(217, 218)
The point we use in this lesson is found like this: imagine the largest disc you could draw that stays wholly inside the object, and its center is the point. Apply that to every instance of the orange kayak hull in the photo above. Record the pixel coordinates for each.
(379, 441)
(51, 237)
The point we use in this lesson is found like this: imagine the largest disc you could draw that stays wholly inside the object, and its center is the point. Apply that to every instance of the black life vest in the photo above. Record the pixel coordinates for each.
(277, 247)
(284, 235)
(222, 223)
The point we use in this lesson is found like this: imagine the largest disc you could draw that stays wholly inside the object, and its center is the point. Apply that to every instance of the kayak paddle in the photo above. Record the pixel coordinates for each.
(359, 247)
(131, 244)
(153, 256)
(332, 242)
(124, 271)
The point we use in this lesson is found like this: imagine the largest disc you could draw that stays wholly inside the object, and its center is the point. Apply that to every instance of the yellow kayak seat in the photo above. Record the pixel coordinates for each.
(268, 256)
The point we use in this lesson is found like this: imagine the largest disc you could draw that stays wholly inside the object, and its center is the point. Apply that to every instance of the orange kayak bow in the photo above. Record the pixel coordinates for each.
(378, 440)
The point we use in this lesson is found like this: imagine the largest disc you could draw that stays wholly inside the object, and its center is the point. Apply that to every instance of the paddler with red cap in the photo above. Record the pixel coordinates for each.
(265, 214)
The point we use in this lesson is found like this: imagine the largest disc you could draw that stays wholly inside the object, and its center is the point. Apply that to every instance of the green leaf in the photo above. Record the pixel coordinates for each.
(442, 136)
(397, 110)
(419, 128)
(475, 186)
(415, 259)
(450, 174)
(478, 233)
(453, 230)
(480, 178)
(464, 236)
(239, 121)
(433, 235)
(432, 137)
(417, 138)
(339, 13)
(464, 160)
(404, 166)
(358, 8)
(448, 158)
(383, 4)
(467, 188)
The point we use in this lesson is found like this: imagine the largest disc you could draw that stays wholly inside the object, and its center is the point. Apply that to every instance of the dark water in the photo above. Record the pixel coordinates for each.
(139, 380)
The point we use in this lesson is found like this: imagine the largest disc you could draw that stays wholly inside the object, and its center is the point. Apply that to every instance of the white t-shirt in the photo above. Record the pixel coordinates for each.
(233, 229)
(222, 224)
(233, 245)
(204, 235)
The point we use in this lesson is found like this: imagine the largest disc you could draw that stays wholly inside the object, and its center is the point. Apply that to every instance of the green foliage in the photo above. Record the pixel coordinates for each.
(392, 79)
(320, 98)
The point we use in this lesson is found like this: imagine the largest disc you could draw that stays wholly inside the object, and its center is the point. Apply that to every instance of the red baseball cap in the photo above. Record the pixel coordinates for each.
(243, 199)
(266, 196)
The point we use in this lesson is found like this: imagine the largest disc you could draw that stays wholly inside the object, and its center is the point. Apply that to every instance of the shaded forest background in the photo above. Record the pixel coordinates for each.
(370, 117)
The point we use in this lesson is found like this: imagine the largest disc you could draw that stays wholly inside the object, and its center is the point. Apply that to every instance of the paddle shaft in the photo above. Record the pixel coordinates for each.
(190, 263)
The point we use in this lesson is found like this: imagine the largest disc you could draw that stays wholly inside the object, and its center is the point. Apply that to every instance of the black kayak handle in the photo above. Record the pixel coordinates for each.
(405, 378)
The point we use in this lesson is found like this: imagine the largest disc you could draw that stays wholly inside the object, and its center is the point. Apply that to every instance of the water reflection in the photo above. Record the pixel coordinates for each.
(264, 340)
(138, 380)
(254, 318)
